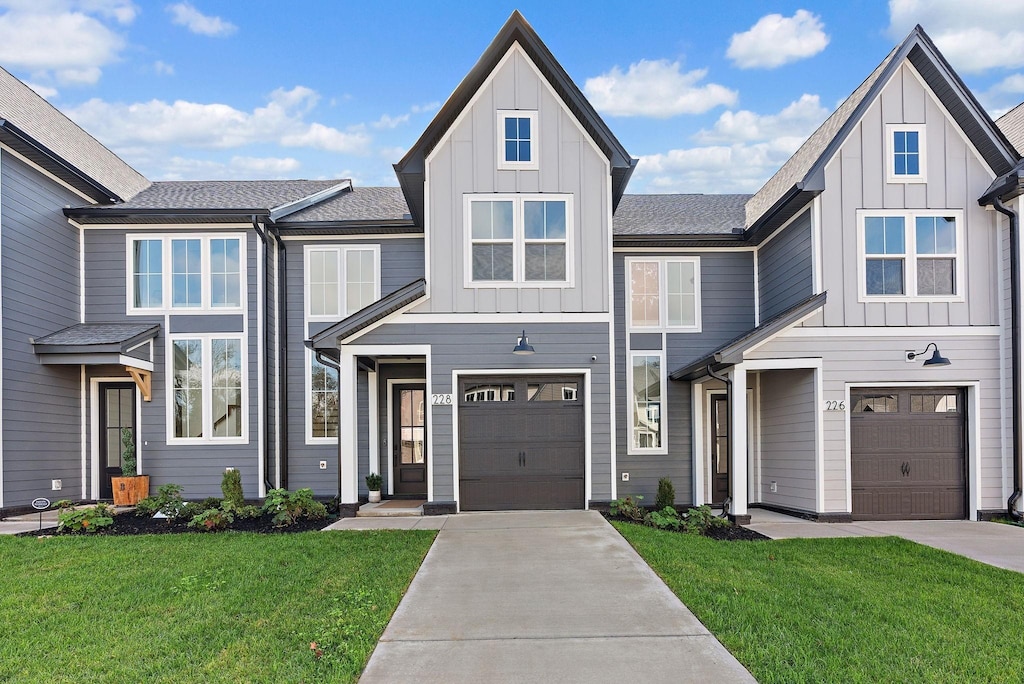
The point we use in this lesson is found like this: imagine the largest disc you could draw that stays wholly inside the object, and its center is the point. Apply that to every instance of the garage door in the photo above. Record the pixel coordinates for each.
(521, 443)
(908, 459)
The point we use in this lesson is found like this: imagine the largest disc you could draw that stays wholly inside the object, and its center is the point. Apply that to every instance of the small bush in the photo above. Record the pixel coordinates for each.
(666, 494)
(699, 520)
(128, 460)
(231, 487)
(628, 507)
(167, 501)
(244, 511)
(85, 519)
(212, 519)
(210, 503)
(374, 482)
(288, 508)
(665, 519)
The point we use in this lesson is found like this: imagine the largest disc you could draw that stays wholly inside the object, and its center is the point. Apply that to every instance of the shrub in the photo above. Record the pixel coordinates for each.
(374, 482)
(244, 511)
(85, 519)
(231, 487)
(128, 461)
(212, 519)
(209, 503)
(699, 520)
(167, 501)
(288, 508)
(665, 519)
(666, 494)
(628, 507)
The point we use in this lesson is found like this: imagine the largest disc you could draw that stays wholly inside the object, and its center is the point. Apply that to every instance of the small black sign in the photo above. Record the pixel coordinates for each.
(40, 504)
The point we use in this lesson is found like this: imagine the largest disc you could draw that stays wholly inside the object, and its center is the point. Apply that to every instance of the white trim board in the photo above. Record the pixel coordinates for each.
(391, 427)
(94, 425)
(499, 318)
(932, 332)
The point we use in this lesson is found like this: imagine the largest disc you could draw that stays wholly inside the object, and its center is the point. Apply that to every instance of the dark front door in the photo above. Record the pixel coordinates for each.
(521, 443)
(117, 411)
(719, 448)
(409, 408)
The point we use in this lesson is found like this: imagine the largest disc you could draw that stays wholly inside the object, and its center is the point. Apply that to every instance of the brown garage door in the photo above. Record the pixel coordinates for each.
(908, 459)
(521, 443)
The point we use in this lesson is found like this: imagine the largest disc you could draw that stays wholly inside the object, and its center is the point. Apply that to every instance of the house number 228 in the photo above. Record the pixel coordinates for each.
(835, 405)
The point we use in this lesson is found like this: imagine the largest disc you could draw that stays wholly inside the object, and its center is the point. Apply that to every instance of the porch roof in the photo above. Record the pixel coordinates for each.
(379, 310)
(96, 343)
(731, 353)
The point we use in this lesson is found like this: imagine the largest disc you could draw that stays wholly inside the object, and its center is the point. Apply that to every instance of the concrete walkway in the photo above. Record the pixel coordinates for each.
(542, 596)
(992, 543)
(17, 524)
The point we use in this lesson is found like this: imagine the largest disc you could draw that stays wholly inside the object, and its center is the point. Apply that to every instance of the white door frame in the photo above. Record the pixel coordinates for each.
(391, 427)
(707, 431)
(94, 422)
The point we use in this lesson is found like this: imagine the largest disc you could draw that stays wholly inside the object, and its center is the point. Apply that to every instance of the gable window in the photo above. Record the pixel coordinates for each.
(207, 391)
(200, 273)
(517, 139)
(340, 280)
(322, 402)
(911, 255)
(518, 239)
(664, 294)
(647, 380)
(905, 152)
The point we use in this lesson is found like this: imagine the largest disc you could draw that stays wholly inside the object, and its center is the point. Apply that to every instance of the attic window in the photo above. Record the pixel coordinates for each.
(517, 139)
(905, 153)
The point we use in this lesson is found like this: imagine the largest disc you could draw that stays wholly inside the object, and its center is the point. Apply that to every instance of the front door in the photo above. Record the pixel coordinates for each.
(117, 411)
(719, 448)
(409, 408)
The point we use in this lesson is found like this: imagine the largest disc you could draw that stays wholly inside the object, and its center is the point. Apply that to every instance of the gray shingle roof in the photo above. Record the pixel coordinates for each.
(24, 108)
(679, 214)
(198, 195)
(357, 204)
(84, 334)
(1012, 125)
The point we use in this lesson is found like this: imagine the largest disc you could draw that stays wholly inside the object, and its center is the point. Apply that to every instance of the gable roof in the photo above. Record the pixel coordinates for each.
(367, 316)
(411, 170)
(1012, 125)
(802, 176)
(37, 130)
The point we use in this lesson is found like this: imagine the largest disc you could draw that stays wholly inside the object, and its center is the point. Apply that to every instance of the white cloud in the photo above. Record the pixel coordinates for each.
(237, 168)
(655, 88)
(59, 40)
(776, 40)
(798, 120)
(157, 123)
(185, 14)
(974, 36)
(43, 91)
(387, 121)
(163, 68)
(426, 108)
(1013, 84)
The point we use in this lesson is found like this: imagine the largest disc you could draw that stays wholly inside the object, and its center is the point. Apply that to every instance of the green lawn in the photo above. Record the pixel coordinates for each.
(227, 607)
(846, 610)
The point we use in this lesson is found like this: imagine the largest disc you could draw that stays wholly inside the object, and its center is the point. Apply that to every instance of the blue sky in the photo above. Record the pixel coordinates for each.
(711, 96)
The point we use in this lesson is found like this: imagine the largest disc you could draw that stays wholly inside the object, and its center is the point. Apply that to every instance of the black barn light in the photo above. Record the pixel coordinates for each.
(524, 348)
(937, 359)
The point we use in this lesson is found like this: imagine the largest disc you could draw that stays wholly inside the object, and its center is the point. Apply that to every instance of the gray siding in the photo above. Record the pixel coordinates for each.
(197, 467)
(40, 292)
(727, 311)
(785, 268)
(488, 346)
(787, 439)
(401, 262)
(466, 162)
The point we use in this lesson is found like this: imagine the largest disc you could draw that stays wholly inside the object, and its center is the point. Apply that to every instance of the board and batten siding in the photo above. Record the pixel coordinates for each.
(401, 262)
(482, 346)
(727, 311)
(878, 362)
(855, 178)
(197, 467)
(787, 439)
(466, 163)
(40, 290)
(785, 268)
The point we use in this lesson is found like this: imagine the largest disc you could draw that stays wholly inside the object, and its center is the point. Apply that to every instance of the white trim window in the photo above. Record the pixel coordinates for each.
(906, 255)
(663, 294)
(906, 159)
(646, 378)
(340, 280)
(517, 139)
(519, 240)
(322, 417)
(185, 272)
(207, 399)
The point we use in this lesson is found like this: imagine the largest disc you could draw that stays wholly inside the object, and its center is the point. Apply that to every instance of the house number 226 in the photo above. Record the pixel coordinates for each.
(835, 405)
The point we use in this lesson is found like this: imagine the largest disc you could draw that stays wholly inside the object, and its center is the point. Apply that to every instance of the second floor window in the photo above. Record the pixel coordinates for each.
(208, 388)
(178, 272)
(664, 293)
(340, 280)
(911, 254)
(905, 149)
(517, 139)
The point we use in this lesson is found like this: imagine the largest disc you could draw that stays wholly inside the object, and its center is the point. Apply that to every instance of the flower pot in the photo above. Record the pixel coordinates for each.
(129, 491)
(374, 496)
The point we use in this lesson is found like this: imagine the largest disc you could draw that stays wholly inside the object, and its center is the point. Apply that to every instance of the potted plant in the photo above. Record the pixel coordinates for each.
(131, 487)
(373, 483)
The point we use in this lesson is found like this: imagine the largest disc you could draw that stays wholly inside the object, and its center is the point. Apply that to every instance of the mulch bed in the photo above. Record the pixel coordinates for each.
(730, 533)
(130, 524)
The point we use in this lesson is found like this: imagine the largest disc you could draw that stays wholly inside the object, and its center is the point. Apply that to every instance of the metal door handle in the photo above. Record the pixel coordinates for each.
(905, 468)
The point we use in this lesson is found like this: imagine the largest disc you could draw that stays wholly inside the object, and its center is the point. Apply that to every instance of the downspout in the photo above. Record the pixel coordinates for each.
(282, 368)
(997, 204)
(331, 363)
(267, 346)
(728, 421)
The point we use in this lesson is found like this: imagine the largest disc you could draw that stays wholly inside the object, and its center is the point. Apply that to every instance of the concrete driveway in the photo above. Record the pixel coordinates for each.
(992, 543)
(543, 596)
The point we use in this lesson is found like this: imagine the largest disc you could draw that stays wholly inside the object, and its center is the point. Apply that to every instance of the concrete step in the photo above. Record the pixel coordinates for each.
(393, 508)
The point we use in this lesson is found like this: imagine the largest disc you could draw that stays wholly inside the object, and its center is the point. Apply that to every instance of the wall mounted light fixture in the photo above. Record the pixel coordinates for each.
(523, 346)
(937, 359)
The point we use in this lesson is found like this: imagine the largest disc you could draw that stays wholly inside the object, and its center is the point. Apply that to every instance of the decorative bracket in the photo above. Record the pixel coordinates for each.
(143, 380)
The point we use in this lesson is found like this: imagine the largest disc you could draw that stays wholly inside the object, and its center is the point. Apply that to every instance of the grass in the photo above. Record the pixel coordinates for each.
(231, 607)
(846, 610)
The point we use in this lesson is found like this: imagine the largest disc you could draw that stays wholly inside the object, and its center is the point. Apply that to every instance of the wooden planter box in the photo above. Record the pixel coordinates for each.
(129, 491)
